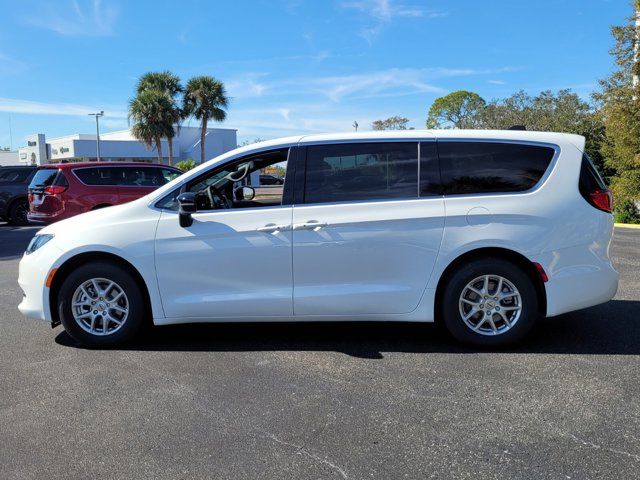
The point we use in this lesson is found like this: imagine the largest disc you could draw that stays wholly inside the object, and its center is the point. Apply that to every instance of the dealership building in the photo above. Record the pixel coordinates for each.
(121, 146)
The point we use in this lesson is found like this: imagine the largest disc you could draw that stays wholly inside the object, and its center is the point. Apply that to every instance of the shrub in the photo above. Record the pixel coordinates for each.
(186, 165)
(626, 212)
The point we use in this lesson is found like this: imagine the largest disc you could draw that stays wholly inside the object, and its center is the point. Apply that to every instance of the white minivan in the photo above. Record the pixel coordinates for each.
(485, 231)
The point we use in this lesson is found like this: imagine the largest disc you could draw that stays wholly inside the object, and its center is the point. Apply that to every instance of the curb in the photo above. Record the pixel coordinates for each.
(626, 225)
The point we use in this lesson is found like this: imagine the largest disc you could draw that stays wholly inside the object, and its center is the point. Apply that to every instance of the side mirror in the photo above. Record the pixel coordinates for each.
(248, 193)
(245, 193)
(187, 203)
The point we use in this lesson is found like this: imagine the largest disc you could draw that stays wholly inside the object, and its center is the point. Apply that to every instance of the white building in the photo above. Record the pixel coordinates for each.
(8, 157)
(122, 146)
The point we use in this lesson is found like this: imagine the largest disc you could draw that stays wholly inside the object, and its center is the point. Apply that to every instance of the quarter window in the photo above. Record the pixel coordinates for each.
(361, 171)
(491, 167)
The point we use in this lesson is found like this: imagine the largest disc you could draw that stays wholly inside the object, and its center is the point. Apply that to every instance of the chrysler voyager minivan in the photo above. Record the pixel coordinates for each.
(485, 231)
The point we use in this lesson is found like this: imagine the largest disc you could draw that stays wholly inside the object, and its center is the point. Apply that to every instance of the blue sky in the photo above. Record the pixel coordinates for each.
(292, 66)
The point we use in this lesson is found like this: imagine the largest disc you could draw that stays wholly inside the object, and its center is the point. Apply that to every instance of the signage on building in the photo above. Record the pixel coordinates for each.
(54, 151)
(64, 149)
(32, 143)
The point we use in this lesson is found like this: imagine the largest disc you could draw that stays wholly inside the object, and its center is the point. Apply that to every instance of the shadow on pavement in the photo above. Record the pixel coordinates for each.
(609, 329)
(14, 240)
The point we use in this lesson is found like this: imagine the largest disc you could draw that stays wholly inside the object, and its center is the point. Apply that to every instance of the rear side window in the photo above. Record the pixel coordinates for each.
(102, 176)
(44, 177)
(128, 176)
(361, 171)
(491, 167)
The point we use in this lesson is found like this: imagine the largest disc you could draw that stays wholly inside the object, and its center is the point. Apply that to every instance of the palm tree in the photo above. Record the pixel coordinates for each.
(205, 98)
(151, 120)
(169, 84)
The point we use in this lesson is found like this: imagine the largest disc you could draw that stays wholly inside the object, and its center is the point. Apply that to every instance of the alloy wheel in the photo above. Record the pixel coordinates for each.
(490, 305)
(100, 306)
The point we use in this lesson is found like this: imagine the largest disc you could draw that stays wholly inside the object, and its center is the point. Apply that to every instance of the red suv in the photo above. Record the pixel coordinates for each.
(63, 190)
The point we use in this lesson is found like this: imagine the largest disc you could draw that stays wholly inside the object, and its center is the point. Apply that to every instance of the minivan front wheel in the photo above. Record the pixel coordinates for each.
(100, 305)
(489, 302)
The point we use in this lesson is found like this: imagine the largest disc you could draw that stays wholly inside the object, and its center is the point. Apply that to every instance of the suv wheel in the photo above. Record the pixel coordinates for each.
(100, 305)
(489, 302)
(18, 212)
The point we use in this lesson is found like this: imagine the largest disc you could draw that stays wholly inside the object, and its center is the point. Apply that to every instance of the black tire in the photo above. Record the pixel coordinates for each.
(458, 282)
(136, 306)
(18, 212)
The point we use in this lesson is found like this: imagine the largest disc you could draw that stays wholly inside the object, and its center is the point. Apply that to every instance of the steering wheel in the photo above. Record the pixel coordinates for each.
(217, 198)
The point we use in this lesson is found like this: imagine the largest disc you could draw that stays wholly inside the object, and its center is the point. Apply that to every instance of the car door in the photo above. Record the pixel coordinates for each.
(364, 239)
(230, 263)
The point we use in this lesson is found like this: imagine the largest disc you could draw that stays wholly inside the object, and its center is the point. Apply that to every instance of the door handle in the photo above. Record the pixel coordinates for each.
(309, 225)
(272, 228)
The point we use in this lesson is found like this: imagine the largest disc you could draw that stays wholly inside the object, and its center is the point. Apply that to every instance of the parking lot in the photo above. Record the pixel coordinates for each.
(323, 400)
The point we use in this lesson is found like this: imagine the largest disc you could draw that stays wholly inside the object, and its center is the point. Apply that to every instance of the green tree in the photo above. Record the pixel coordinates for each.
(391, 123)
(619, 97)
(461, 109)
(148, 112)
(563, 111)
(186, 165)
(205, 99)
(169, 84)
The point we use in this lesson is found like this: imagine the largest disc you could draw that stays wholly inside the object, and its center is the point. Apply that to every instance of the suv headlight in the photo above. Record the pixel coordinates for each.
(37, 242)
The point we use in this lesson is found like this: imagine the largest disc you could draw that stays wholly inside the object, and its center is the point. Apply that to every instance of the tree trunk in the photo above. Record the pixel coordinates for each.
(170, 141)
(203, 134)
(159, 148)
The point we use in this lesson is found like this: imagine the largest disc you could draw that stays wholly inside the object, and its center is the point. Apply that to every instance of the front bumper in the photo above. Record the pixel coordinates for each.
(32, 278)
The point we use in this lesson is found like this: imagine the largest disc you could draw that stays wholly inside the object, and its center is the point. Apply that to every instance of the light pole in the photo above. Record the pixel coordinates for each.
(97, 115)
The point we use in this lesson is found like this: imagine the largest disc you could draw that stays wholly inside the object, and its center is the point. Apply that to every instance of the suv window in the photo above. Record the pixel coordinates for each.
(44, 177)
(491, 167)
(146, 176)
(16, 175)
(99, 175)
(361, 171)
(132, 176)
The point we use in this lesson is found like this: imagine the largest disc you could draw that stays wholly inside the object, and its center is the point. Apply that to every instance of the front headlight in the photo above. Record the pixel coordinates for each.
(38, 241)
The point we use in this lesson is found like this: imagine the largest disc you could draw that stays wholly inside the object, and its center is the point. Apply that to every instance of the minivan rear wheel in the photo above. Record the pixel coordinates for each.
(100, 305)
(489, 302)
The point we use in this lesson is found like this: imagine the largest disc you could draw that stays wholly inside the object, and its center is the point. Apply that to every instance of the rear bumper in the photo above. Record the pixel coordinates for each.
(577, 279)
(45, 218)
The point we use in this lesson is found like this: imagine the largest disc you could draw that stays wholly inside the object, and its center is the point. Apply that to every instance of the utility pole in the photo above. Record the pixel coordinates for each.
(355, 125)
(97, 115)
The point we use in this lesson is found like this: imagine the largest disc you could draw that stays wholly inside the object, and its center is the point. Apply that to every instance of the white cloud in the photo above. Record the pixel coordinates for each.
(496, 82)
(383, 12)
(380, 83)
(31, 107)
(246, 85)
(78, 18)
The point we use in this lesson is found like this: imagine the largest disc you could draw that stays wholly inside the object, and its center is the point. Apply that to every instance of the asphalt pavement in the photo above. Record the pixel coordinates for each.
(330, 400)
